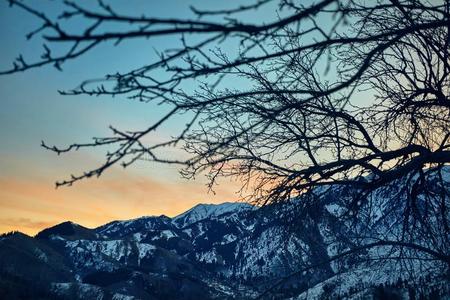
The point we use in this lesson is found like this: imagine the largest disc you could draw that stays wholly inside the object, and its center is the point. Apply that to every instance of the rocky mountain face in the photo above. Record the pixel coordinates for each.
(226, 251)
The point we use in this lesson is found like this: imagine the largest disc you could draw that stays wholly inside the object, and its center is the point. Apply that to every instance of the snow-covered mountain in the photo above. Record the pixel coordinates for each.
(203, 211)
(225, 251)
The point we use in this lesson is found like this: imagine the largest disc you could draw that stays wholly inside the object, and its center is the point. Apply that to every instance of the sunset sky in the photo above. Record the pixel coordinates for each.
(32, 110)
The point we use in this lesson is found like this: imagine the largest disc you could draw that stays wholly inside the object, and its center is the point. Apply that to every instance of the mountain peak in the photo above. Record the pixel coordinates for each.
(205, 210)
(67, 229)
(136, 225)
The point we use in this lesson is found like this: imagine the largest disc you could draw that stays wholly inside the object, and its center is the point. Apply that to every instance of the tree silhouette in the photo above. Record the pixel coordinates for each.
(277, 129)
(332, 93)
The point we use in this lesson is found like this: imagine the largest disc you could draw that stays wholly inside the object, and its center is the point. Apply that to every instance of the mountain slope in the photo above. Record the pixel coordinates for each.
(203, 211)
(226, 251)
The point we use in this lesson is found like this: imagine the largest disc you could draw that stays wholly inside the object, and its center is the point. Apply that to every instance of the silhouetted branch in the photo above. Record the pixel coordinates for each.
(430, 252)
(342, 94)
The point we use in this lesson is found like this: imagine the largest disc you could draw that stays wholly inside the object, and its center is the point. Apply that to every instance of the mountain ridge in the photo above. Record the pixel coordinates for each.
(145, 217)
(224, 251)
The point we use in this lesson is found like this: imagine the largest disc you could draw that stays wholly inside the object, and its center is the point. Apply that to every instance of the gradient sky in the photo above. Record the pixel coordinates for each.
(32, 111)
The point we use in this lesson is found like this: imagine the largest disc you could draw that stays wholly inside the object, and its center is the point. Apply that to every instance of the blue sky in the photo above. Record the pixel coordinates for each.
(32, 110)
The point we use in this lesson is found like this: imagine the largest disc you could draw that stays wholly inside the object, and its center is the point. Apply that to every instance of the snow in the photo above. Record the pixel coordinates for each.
(208, 256)
(188, 231)
(84, 291)
(61, 286)
(168, 234)
(41, 255)
(132, 226)
(335, 209)
(137, 236)
(88, 253)
(144, 250)
(260, 246)
(203, 211)
(348, 280)
(228, 238)
(118, 296)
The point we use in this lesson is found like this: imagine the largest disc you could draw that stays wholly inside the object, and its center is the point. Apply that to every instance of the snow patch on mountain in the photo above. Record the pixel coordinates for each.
(228, 238)
(203, 211)
(139, 225)
(83, 290)
(144, 251)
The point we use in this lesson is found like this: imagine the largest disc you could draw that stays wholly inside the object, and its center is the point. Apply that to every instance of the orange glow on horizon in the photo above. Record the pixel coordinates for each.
(30, 205)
